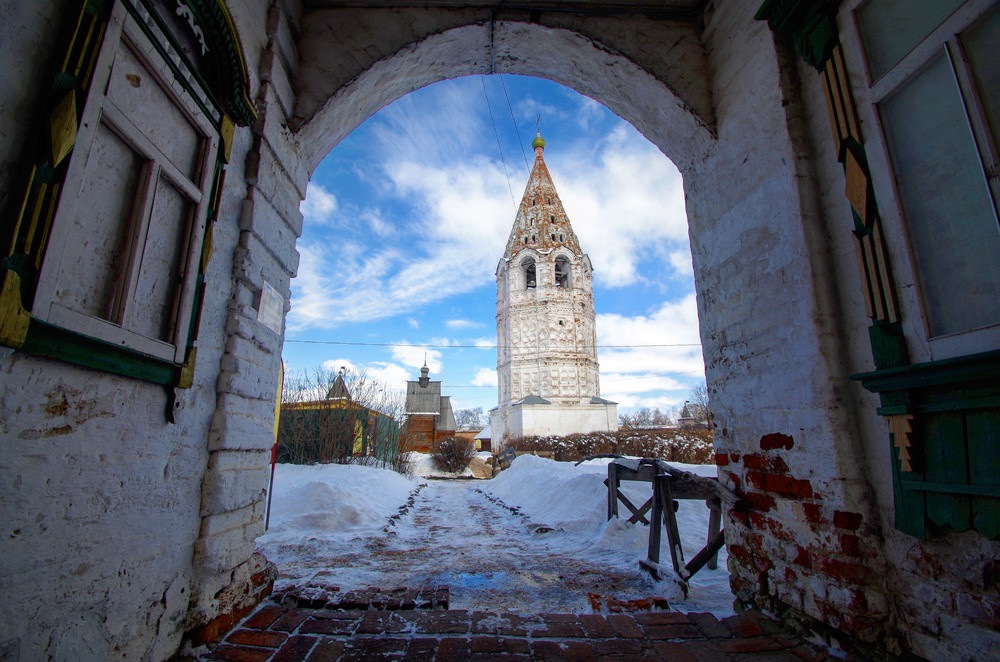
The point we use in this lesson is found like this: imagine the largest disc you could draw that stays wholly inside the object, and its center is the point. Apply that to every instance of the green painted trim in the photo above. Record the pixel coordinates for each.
(888, 345)
(56, 343)
(810, 23)
(957, 371)
(179, 75)
(992, 491)
(226, 67)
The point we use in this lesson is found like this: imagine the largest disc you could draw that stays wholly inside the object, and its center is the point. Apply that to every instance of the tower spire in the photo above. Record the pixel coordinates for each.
(541, 222)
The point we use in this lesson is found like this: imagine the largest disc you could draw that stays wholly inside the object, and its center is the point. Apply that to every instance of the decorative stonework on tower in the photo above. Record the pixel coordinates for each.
(546, 356)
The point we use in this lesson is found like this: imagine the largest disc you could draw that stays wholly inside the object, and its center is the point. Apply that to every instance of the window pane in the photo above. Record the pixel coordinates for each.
(891, 28)
(982, 42)
(137, 93)
(152, 310)
(91, 264)
(947, 205)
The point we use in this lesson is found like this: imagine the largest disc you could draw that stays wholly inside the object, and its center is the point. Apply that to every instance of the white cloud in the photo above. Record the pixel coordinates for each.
(485, 377)
(319, 205)
(414, 357)
(463, 324)
(485, 343)
(650, 354)
(626, 203)
(412, 323)
(624, 198)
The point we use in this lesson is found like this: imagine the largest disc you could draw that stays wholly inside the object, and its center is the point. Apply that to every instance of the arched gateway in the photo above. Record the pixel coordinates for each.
(841, 191)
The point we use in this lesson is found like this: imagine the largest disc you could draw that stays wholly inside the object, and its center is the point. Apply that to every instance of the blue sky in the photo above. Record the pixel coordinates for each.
(406, 220)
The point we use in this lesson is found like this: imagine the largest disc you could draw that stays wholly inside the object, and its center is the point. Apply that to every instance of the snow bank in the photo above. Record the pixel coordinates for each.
(328, 499)
(573, 499)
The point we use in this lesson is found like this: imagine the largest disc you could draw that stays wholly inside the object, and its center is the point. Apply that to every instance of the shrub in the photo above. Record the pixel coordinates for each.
(452, 454)
(688, 445)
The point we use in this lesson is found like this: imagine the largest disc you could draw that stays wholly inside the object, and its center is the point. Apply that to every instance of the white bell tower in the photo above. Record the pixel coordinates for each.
(547, 355)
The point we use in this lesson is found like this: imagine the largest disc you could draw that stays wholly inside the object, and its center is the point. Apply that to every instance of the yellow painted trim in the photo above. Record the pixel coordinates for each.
(186, 378)
(63, 127)
(14, 319)
(227, 131)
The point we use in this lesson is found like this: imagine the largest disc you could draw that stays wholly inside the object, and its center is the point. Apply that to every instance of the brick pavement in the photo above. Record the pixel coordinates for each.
(285, 632)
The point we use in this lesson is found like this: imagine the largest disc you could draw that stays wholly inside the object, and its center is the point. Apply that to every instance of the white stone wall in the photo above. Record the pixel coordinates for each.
(123, 531)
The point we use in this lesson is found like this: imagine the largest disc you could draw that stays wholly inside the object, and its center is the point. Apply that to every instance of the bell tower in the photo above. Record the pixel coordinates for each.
(547, 357)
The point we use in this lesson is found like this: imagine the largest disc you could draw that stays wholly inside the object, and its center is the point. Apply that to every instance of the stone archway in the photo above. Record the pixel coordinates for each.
(579, 62)
(719, 102)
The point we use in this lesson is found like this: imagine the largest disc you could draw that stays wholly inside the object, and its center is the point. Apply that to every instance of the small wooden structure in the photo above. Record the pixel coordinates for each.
(670, 484)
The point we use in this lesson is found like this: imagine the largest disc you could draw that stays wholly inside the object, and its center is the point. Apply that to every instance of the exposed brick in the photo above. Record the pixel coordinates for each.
(626, 648)
(264, 617)
(666, 650)
(740, 553)
(562, 650)
(741, 626)
(231, 653)
(721, 459)
(845, 520)
(708, 624)
(851, 545)
(498, 645)
(813, 513)
(803, 558)
(596, 626)
(749, 645)
(377, 622)
(295, 649)
(776, 440)
(854, 573)
(327, 650)
(624, 626)
(676, 631)
(453, 648)
(759, 501)
(328, 626)
(291, 620)
(422, 648)
(561, 626)
(780, 484)
(662, 618)
(256, 638)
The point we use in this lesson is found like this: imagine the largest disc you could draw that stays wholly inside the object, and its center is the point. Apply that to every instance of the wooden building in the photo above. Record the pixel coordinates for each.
(429, 416)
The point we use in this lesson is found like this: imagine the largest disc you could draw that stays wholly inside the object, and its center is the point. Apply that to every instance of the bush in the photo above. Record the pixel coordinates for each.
(688, 445)
(452, 454)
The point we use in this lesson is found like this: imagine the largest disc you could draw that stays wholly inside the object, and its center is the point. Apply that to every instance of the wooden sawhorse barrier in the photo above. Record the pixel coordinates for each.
(670, 484)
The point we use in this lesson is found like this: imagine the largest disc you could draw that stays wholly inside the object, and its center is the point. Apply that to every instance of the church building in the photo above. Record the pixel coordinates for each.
(546, 338)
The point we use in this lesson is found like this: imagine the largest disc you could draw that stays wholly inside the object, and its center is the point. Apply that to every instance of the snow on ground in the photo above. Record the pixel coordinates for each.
(352, 527)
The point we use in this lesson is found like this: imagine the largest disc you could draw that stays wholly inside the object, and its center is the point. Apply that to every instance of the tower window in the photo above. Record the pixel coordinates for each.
(553, 236)
(562, 272)
(562, 237)
(548, 200)
(529, 273)
(553, 218)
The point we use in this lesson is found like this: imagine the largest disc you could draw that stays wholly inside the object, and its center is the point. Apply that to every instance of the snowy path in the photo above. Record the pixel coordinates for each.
(490, 557)
(343, 526)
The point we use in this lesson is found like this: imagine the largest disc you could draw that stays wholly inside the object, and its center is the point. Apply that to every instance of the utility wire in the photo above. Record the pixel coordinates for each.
(520, 142)
(482, 346)
(482, 79)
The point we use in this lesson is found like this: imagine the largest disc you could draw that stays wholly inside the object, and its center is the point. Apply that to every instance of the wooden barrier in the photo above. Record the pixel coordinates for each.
(670, 484)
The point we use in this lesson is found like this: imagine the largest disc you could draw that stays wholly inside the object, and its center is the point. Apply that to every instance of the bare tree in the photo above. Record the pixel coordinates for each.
(342, 416)
(698, 406)
(470, 419)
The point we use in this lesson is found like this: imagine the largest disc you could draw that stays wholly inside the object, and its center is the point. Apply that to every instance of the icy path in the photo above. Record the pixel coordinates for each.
(351, 527)
(490, 557)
